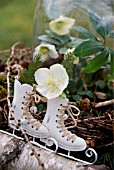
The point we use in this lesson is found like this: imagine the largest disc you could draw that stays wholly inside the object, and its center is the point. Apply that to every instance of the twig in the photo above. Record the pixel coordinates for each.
(109, 102)
(9, 104)
(90, 119)
(109, 144)
(4, 99)
(4, 51)
(5, 113)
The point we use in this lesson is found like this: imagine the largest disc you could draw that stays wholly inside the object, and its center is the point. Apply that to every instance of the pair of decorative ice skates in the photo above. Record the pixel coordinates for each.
(52, 129)
(53, 124)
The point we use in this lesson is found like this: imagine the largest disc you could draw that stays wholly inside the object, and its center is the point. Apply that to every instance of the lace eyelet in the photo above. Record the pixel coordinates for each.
(11, 118)
(62, 136)
(22, 102)
(32, 127)
(57, 115)
(72, 141)
(58, 109)
(56, 121)
(22, 108)
(23, 96)
(60, 104)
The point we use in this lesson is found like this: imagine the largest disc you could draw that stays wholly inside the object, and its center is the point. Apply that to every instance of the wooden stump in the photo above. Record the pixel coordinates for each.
(15, 155)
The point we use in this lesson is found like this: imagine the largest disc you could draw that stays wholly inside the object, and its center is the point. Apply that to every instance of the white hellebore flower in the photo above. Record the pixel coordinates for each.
(51, 82)
(46, 51)
(62, 25)
(70, 50)
(76, 59)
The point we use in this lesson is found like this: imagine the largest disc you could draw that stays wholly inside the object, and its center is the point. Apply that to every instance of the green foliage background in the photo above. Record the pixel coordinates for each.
(16, 22)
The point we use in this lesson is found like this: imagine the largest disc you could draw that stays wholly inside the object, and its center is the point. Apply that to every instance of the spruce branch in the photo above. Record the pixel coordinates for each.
(27, 75)
(68, 64)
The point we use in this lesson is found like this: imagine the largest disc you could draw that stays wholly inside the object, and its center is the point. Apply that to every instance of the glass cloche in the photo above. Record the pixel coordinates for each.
(49, 10)
(83, 27)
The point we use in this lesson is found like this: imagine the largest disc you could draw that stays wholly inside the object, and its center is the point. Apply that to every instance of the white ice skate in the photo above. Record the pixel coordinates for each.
(23, 95)
(54, 121)
(22, 109)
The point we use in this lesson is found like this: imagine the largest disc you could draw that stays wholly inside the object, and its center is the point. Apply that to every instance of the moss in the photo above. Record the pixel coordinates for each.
(3, 92)
(3, 79)
(84, 103)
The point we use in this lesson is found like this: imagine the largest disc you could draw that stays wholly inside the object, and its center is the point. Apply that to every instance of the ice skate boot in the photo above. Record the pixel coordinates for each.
(54, 121)
(23, 95)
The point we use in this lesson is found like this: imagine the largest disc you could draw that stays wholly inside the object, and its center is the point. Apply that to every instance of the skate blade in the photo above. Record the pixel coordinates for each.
(89, 153)
(12, 134)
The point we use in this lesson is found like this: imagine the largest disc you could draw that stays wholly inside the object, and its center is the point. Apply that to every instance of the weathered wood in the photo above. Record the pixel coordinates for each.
(15, 155)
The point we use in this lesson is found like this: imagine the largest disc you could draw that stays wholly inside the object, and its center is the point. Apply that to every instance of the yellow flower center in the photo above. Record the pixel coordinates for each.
(52, 85)
(59, 24)
(44, 50)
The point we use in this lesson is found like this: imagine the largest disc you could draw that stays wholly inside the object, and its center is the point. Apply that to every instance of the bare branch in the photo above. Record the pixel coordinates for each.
(109, 102)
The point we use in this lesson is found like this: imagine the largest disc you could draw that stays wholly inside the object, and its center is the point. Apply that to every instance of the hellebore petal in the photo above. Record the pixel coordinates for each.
(51, 82)
(70, 51)
(46, 51)
(62, 25)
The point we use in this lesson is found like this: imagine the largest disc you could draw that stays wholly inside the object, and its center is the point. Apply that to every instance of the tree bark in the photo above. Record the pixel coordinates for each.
(16, 155)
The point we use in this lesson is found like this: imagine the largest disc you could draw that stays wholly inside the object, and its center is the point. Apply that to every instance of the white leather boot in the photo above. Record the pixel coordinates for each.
(21, 108)
(54, 121)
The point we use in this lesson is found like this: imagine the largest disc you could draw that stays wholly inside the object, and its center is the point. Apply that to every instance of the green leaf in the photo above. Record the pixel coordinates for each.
(107, 24)
(75, 42)
(76, 97)
(63, 50)
(97, 62)
(72, 86)
(97, 23)
(85, 32)
(112, 64)
(63, 39)
(48, 39)
(101, 84)
(87, 48)
(63, 95)
(86, 93)
(111, 34)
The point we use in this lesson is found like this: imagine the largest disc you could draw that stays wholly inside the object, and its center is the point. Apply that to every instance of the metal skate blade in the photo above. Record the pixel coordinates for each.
(49, 144)
(12, 134)
(90, 155)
